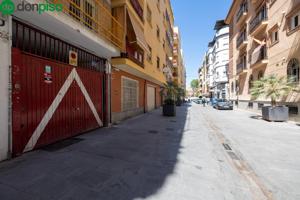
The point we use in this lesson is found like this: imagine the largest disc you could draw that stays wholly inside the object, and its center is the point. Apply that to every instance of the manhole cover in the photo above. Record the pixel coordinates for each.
(62, 144)
(174, 121)
(153, 131)
(227, 147)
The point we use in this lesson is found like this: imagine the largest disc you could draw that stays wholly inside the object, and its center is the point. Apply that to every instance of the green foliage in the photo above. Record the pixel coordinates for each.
(272, 87)
(169, 102)
(195, 84)
(172, 93)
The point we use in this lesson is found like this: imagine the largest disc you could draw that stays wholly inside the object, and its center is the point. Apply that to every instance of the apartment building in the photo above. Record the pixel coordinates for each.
(215, 63)
(264, 40)
(202, 77)
(178, 62)
(146, 62)
(54, 71)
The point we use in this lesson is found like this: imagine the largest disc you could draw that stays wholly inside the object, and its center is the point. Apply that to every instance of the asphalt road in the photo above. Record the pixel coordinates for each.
(201, 154)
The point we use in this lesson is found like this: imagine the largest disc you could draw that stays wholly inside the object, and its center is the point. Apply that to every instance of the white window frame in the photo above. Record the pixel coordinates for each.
(122, 93)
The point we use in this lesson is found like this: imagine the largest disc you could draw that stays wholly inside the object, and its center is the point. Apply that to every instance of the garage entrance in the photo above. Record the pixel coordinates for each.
(58, 89)
(150, 98)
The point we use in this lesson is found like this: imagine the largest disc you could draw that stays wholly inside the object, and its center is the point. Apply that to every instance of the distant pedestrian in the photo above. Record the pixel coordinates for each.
(203, 101)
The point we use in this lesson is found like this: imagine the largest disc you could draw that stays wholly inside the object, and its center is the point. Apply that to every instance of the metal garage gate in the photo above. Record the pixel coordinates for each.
(52, 100)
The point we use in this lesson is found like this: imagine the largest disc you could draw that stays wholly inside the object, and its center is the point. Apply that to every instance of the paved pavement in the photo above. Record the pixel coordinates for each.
(154, 157)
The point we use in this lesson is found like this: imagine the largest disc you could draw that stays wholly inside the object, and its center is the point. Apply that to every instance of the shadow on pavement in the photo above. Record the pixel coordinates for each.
(125, 162)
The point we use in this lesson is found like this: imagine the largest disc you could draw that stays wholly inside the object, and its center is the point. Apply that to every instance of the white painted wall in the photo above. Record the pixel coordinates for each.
(5, 58)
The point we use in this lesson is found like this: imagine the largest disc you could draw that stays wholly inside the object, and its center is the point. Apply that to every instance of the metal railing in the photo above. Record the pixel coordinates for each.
(259, 55)
(242, 10)
(134, 55)
(241, 38)
(260, 17)
(241, 66)
(97, 17)
(138, 8)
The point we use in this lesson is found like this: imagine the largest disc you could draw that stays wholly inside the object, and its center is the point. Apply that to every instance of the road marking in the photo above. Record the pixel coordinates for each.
(57, 100)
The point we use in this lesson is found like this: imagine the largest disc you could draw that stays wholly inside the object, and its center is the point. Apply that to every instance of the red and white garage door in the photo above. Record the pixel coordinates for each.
(52, 100)
(150, 98)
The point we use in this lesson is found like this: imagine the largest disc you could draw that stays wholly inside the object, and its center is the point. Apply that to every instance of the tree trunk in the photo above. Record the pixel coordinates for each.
(273, 102)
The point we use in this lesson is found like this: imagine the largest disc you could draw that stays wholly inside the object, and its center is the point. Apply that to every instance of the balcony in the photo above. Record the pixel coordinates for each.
(242, 13)
(259, 22)
(175, 51)
(259, 57)
(242, 41)
(169, 63)
(134, 54)
(138, 8)
(97, 18)
(241, 67)
(175, 64)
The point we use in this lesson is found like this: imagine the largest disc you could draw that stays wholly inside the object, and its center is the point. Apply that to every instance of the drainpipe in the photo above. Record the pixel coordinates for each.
(145, 95)
(108, 94)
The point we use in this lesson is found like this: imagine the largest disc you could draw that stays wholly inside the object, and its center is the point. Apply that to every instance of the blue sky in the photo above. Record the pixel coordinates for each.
(196, 20)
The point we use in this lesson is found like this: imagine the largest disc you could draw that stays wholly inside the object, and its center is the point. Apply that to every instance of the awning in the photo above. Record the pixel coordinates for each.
(139, 34)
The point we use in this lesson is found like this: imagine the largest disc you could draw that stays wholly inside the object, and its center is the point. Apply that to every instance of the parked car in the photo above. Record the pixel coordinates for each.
(214, 102)
(223, 104)
(197, 101)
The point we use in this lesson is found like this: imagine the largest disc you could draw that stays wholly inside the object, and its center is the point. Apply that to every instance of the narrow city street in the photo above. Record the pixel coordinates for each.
(201, 154)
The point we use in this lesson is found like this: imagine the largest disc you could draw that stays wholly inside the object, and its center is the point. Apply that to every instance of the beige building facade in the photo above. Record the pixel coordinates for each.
(264, 40)
(178, 62)
(145, 63)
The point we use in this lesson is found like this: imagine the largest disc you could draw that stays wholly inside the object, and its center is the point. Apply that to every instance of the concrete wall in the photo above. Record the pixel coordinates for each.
(5, 58)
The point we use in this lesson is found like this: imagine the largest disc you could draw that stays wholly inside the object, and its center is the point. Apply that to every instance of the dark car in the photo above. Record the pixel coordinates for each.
(224, 105)
(215, 101)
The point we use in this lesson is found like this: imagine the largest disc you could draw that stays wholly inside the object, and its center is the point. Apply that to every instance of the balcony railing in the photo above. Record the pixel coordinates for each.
(169, 39)
(97, 17)
(259, 55)
(242, 10)
(241, 66)
(138, 8)
(260, 17)
(169, 63)
(169, 23)
(135, 55)
(242, 38)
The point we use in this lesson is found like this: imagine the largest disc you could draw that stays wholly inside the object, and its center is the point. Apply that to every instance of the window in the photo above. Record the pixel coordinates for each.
(149, 55)
(274, 36)
(294, 22)
(157, 63)
(158, 32)
(149, 15)
(260, 75)
(293, 69)
(237, 86)
(250, 82)
(130, 93)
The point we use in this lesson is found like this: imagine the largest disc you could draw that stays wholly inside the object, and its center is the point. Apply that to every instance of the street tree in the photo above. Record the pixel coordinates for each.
(195, 86)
